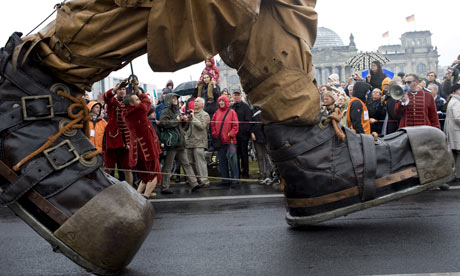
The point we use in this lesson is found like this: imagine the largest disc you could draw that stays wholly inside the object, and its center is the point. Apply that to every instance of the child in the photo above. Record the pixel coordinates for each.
(210, 69)
(97, 125)
(144, 142)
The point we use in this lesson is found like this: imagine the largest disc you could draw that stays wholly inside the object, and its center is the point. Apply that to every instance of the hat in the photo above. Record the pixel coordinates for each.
(236, 91)
(335, 78)
(360, 89)
(455, 88)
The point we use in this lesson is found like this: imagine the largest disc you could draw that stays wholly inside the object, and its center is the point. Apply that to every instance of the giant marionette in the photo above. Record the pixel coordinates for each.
(51, 174)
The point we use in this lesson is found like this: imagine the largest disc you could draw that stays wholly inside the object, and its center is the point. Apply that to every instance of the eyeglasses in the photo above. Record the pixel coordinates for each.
(409, 82)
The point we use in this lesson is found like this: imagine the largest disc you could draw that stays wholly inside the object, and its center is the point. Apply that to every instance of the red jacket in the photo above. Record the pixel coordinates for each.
(230, 128)
(116, 135)
(144, 141)
(421, 111)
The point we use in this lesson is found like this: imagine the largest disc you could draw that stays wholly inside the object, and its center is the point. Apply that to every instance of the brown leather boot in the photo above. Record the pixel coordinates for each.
(51, 177)
(326, 177)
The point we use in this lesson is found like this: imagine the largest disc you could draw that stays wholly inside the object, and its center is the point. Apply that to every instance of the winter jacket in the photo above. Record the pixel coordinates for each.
(244, 117)
(97, 127)
(168, 120)
(211, 104)
(196, 131)
(452, 123)
(212, 70)
(376, 80)
(230, 128)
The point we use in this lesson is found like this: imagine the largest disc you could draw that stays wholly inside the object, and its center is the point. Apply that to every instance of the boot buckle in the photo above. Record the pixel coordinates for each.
(53, 160)
(50, 106)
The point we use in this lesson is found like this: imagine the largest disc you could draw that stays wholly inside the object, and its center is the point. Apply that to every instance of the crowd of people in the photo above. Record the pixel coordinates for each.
(157, 139)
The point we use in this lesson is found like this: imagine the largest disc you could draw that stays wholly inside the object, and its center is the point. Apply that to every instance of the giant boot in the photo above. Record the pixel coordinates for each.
(50, 173)
(326, 173)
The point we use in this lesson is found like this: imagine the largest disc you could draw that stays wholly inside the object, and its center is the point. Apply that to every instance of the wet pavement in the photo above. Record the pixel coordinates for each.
(241, 231)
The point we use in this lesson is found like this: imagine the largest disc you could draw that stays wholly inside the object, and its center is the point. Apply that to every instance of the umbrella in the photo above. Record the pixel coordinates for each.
(185, 88)
(386, 71)
(363, 61)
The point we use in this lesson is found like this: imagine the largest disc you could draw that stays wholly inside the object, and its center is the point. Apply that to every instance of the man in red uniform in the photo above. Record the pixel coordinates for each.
(144, 144)
(417, 107)
(117, 135)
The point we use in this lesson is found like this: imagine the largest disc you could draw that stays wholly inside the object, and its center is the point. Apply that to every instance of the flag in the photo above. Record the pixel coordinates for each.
(410, 18)
(386, 34)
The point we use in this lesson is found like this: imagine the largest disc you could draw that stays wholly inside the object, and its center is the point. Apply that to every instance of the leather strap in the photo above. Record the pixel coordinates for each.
(370, 167)
(356, 155)
(39, 201)
(350, 192)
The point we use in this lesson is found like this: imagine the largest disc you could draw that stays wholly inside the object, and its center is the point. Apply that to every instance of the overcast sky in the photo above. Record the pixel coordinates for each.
(366, 19)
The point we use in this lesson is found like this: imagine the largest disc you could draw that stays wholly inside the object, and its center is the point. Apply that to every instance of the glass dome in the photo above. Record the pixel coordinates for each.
(327, 38)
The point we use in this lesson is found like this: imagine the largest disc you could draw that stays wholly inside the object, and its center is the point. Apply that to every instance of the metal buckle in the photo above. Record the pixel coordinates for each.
(49, 106)
(71, 149)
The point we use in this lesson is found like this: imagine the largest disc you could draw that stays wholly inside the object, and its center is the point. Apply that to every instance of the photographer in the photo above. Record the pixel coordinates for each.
(196, 140)
(171, 122)
(450, 78)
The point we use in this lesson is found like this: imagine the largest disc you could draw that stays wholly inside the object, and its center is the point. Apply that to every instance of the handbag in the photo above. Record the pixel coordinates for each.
(216, 143)
(169, 137)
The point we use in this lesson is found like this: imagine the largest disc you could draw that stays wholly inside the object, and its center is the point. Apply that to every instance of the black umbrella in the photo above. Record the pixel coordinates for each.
(185, 88)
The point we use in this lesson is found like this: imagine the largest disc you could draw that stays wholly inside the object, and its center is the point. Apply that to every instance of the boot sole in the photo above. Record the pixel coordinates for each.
(318, 218)
(56, 244)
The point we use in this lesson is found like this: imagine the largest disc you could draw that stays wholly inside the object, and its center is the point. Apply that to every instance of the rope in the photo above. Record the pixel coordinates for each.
(56, 7)
(185, 175)
(82, 115)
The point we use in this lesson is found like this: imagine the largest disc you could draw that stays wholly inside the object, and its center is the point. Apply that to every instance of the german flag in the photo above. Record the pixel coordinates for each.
(386, 34)
(410, 18)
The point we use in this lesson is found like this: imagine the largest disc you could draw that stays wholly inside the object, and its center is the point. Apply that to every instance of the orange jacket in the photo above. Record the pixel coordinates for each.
(97, 127)
(365, 122)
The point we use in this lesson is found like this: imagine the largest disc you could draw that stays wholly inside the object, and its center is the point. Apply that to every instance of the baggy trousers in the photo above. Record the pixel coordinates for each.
(182, 157)
(267, 41)
(197, 159)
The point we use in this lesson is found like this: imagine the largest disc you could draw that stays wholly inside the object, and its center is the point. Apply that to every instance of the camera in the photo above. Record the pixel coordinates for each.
(188, 112)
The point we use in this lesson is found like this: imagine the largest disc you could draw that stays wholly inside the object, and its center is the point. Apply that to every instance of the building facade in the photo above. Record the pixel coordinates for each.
(415, 54)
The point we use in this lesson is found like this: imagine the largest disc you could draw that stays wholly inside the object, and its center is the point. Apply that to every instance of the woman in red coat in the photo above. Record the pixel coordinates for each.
(144, 142)
(227, 137)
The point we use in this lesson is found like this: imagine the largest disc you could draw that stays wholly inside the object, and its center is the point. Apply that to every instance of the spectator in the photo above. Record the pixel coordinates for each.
(439, 102)
(350, 90)
(144, 143)
(452, 127)
(171, 121)
(161, 104)
(377, 111)
(323, 89)
(224, 126)
(208, 90)
(196, 140)
(328, 104)
(450, 79)
(376, 75)
(333, 80)
(225, 92)
(244, 133)
(358, 115)
(117, 135)
(343, 85)
(431, 79)
(417, 108)
(211, 69)
(342, 103)
(97, 125)
(258, 137)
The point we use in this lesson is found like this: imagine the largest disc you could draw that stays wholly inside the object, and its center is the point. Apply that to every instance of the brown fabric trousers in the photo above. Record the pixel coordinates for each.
(267, 41)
